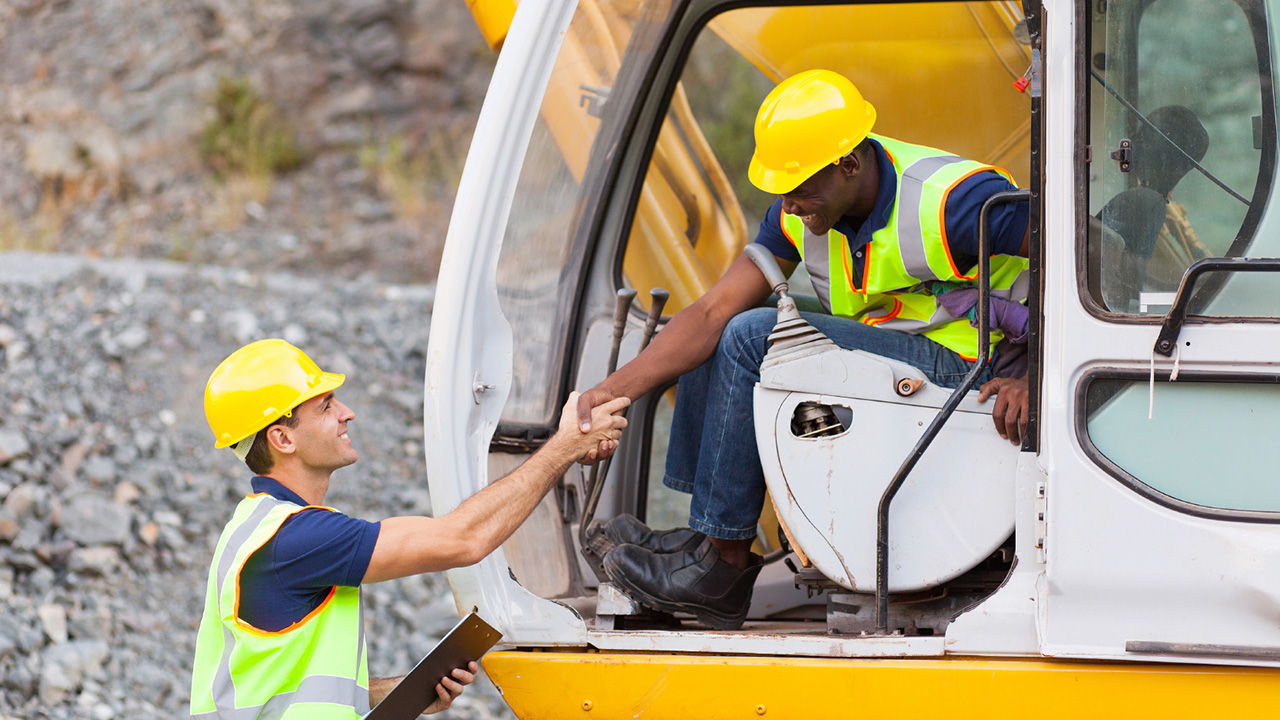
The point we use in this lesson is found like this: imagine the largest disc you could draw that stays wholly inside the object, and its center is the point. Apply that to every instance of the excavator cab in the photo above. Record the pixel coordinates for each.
(1133, 534)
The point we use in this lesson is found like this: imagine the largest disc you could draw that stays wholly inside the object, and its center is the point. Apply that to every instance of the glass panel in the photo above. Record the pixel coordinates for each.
(689, 226)
(1210, 444)
(1173, 83)
(536, 273)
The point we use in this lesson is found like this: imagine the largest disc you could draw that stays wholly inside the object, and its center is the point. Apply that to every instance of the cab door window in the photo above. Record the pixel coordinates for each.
(1182, 142)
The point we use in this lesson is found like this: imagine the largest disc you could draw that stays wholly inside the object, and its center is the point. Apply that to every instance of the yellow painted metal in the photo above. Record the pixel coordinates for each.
(938, 74)
(565, 685)
(494, 19)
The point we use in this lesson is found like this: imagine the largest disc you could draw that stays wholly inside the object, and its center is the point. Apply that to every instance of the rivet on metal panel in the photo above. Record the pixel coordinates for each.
(586, 705)
(760, 710)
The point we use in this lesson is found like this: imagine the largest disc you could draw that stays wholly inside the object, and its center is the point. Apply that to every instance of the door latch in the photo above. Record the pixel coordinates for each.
(1123, 155)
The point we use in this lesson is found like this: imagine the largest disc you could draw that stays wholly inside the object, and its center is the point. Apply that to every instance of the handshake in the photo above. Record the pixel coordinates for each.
(590, 425)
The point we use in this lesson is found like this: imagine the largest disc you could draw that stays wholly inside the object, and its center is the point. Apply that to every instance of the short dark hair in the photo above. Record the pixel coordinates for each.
(259, 458)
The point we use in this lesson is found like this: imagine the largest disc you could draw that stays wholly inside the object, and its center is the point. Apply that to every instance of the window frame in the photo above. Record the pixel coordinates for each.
(1131, 482)
(1211, 286)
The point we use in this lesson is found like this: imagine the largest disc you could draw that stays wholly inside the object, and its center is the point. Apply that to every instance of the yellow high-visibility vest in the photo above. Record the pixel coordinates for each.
(908, 262)
(314, 669)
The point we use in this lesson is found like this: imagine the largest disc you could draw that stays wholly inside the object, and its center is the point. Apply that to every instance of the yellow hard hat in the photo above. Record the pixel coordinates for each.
(257, 384)
(807, 122)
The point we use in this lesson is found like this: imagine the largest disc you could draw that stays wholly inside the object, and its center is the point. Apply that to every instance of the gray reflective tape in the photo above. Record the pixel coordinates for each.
(910, 233)
(818, 262)
(316, 689)
(325, 689)
(237, 541)
(362, 700)
(224, 687)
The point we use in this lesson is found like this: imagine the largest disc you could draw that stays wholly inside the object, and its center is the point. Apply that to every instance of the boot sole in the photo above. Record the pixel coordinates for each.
(711, 618)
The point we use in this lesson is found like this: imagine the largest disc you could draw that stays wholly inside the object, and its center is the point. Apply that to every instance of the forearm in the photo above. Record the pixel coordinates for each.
(686, 342)
(379, 688)
(476, 527)
(490, 516)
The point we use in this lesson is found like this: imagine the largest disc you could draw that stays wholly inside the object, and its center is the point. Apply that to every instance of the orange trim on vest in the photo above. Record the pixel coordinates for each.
(942, 220)
(309, 616)
(845, 260)
(892, 160)
(897, 308)
(782, 221)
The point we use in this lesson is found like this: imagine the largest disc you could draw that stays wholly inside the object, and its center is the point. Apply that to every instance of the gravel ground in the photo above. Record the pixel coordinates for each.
(112, 496)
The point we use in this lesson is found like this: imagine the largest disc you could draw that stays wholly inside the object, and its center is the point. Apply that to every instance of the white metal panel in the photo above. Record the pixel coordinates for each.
(471, 341)
(952, 512)
(1120, 566)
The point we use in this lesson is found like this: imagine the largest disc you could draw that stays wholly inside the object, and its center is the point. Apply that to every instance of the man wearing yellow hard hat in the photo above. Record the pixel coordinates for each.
(888, 232)
(282, 635)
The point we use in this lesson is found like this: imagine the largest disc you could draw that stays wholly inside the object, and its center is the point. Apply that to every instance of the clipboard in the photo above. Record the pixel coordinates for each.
(470, 639)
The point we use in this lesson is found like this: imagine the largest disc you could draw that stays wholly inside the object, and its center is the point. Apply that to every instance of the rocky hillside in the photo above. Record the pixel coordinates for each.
(323, 137)
(177, 178)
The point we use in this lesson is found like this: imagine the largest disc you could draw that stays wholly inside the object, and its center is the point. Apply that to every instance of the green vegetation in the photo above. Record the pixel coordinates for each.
(247, 134)
(413, 178)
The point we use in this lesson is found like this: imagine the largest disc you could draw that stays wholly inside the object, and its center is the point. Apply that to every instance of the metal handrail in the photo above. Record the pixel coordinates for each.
(1172, 325)
(984, 353)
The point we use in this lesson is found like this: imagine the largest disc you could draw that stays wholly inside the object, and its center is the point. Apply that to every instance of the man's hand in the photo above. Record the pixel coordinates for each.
(1010, 412)
(587, 402)
(448, 689)
(596, 437)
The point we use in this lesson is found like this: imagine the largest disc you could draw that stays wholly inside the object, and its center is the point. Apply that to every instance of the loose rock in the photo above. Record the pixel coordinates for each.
(13, 445)
(92, 519)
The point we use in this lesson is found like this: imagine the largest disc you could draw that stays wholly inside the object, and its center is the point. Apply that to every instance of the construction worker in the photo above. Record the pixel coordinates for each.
(888, 231)
(281, 635)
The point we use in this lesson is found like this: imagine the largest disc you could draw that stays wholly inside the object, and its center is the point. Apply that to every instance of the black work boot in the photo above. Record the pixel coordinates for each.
(694, 581)
(626, 530)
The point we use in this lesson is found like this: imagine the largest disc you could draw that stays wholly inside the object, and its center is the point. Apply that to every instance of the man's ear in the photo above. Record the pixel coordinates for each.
(280, 438)
(851, 164)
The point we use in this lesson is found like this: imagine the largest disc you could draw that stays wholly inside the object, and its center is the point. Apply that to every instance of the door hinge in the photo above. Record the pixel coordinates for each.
(1042, 505)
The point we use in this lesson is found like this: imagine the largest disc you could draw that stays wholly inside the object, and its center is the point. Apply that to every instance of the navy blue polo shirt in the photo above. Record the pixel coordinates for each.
(295, 570)
(1008, 221)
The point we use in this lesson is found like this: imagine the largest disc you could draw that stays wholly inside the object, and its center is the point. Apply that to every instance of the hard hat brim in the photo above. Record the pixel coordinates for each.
(781, 183)
(327, 382)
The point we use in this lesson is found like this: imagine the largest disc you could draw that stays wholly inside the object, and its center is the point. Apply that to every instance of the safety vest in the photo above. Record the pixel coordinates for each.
(314, 669)
(908, 262)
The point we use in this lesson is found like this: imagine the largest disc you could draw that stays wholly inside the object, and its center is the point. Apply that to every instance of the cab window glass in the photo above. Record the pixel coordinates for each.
(536, 278)
(1206, 443)
(1182, 146)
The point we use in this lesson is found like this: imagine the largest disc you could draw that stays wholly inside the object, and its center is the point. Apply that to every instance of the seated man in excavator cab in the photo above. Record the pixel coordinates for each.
(884, 228)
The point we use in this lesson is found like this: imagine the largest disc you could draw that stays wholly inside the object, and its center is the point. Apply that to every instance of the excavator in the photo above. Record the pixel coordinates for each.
(1122, 561)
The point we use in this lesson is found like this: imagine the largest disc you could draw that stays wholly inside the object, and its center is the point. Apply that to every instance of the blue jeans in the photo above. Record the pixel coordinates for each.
(713, 439)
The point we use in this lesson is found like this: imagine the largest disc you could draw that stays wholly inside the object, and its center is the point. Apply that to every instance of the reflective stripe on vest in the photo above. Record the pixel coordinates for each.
(315, 668)
(908, 261)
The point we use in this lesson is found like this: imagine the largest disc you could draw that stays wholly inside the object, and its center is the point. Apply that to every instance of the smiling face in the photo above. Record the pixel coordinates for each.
(320, 436)
(828, 195)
